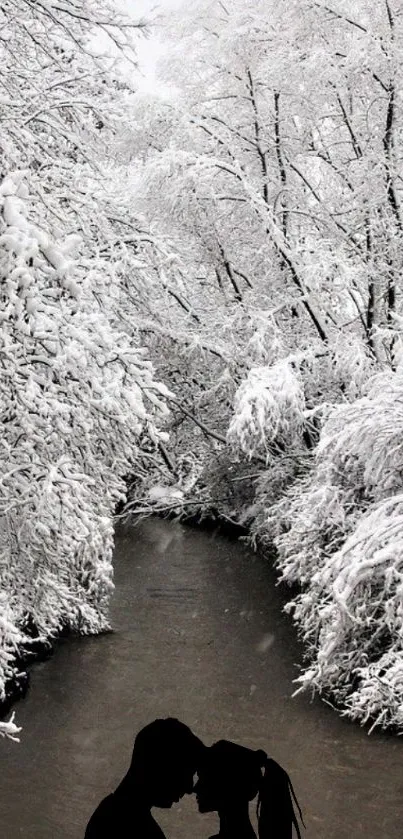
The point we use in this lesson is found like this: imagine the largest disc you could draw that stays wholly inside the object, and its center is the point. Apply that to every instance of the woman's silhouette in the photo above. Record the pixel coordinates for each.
(230, 776)
(165, 757)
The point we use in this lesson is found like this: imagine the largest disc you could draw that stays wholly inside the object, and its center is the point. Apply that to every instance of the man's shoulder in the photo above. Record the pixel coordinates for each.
(103, 819)
(115, 818)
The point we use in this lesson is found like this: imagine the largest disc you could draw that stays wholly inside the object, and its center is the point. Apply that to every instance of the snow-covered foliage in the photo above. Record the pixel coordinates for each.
(271, 245)
(10, 729)
(268, 410)
(79, 402)
(339, 534)
(244, 226)
(76, 396)
(273, 176)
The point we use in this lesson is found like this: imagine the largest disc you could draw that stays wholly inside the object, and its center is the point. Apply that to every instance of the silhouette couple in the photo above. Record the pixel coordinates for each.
(166, 756)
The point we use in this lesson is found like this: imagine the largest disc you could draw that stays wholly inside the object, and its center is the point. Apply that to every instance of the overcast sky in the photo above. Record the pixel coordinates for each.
(148, 49)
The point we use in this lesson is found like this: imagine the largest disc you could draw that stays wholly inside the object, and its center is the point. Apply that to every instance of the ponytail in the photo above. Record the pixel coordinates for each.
(275, 810)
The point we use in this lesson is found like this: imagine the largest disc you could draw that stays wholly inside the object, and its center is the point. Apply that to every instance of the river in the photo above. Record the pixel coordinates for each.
(200, 635)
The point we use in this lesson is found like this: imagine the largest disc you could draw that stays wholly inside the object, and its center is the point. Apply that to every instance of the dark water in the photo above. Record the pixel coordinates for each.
(199, 634)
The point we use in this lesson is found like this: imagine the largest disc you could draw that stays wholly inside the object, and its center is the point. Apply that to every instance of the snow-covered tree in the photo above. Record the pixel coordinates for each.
(79, 402)
(273, 172)
(244, 226)
(76, 396)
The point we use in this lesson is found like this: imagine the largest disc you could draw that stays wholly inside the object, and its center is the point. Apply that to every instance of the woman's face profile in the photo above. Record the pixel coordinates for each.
(228, 776)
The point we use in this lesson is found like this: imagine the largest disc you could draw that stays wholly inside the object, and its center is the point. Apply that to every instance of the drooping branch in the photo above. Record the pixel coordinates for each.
(167, 458)
(279, 155)
(347, 122)
(258, 140)
(182, 303)
(181, 338)
(388, 145)
(341, 17)
(243, 276)
(206, 430)
(230, 274)
(305, 301)
(388, 149)
(390, 16)
(370, 320)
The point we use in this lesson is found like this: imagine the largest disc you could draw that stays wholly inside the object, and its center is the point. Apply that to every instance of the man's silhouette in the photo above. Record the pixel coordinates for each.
(165, 757)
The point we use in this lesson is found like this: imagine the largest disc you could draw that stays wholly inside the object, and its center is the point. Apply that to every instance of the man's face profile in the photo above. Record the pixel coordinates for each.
(171, 783)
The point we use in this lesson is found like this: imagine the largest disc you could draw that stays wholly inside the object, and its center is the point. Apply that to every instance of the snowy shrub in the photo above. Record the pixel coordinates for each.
(351, 617)
(268, 410)
(339, 534)
(350, 364)
(10, 729)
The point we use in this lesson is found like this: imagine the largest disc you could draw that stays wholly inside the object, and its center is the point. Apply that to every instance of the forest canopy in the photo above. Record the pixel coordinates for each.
(201, 303)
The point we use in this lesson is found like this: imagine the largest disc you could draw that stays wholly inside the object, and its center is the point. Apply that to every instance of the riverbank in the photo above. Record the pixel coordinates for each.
(17, 687)
(257, 538)
(39, 651)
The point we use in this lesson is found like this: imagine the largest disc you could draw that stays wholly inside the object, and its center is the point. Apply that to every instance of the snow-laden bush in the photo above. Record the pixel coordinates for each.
(75, 396)
(268, 410)
(339, 534)
(10, 729)
(351, 616)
